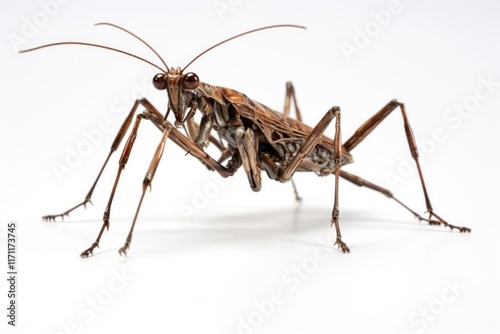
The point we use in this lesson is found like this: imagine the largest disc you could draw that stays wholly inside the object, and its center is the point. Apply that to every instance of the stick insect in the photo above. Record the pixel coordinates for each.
(247, 133)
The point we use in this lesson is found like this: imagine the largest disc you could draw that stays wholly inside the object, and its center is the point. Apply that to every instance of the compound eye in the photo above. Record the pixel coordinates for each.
(190, 81)
(159, 81)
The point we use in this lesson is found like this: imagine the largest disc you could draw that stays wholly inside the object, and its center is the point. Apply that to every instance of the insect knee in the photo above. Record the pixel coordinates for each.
(240, 133)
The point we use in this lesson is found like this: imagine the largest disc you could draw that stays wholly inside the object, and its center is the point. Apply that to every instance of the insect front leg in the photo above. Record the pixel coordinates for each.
(146, 183)
(188, 145)
(200, 134)
(193, 130)
(169, 132)
(152, 114)
(121, 166)
(368, 127)
(116, 143)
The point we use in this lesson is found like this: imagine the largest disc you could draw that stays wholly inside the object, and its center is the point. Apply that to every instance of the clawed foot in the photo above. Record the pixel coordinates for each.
(52, 218)
(440, 221)
(126, 246)
(123, 250)
(342, 246)
(462, 229)
(88, 252)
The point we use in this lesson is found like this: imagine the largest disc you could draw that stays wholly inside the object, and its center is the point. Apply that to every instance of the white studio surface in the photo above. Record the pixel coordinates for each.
(211, 256)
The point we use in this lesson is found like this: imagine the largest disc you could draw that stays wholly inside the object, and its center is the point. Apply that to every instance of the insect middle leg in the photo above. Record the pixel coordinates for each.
(289, 97)
(121, 166)
(366, 129)
(306, 149)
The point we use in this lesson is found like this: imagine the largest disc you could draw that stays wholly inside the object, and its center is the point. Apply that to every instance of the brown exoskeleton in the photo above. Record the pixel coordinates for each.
(258, 138)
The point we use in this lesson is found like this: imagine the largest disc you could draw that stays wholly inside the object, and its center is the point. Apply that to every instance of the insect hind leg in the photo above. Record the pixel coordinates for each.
(370, 125)
(289, 97)
(364, 183)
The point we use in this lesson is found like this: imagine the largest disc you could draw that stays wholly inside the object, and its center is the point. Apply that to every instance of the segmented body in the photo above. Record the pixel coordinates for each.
(278, 135)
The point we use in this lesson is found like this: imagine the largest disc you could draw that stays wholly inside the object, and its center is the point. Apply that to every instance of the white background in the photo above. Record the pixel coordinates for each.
(217, 271)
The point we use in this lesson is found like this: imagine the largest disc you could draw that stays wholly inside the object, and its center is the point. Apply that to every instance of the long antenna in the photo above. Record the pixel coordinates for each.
(152, 49)
(242, 34)
(96, 46)
(134, 35)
